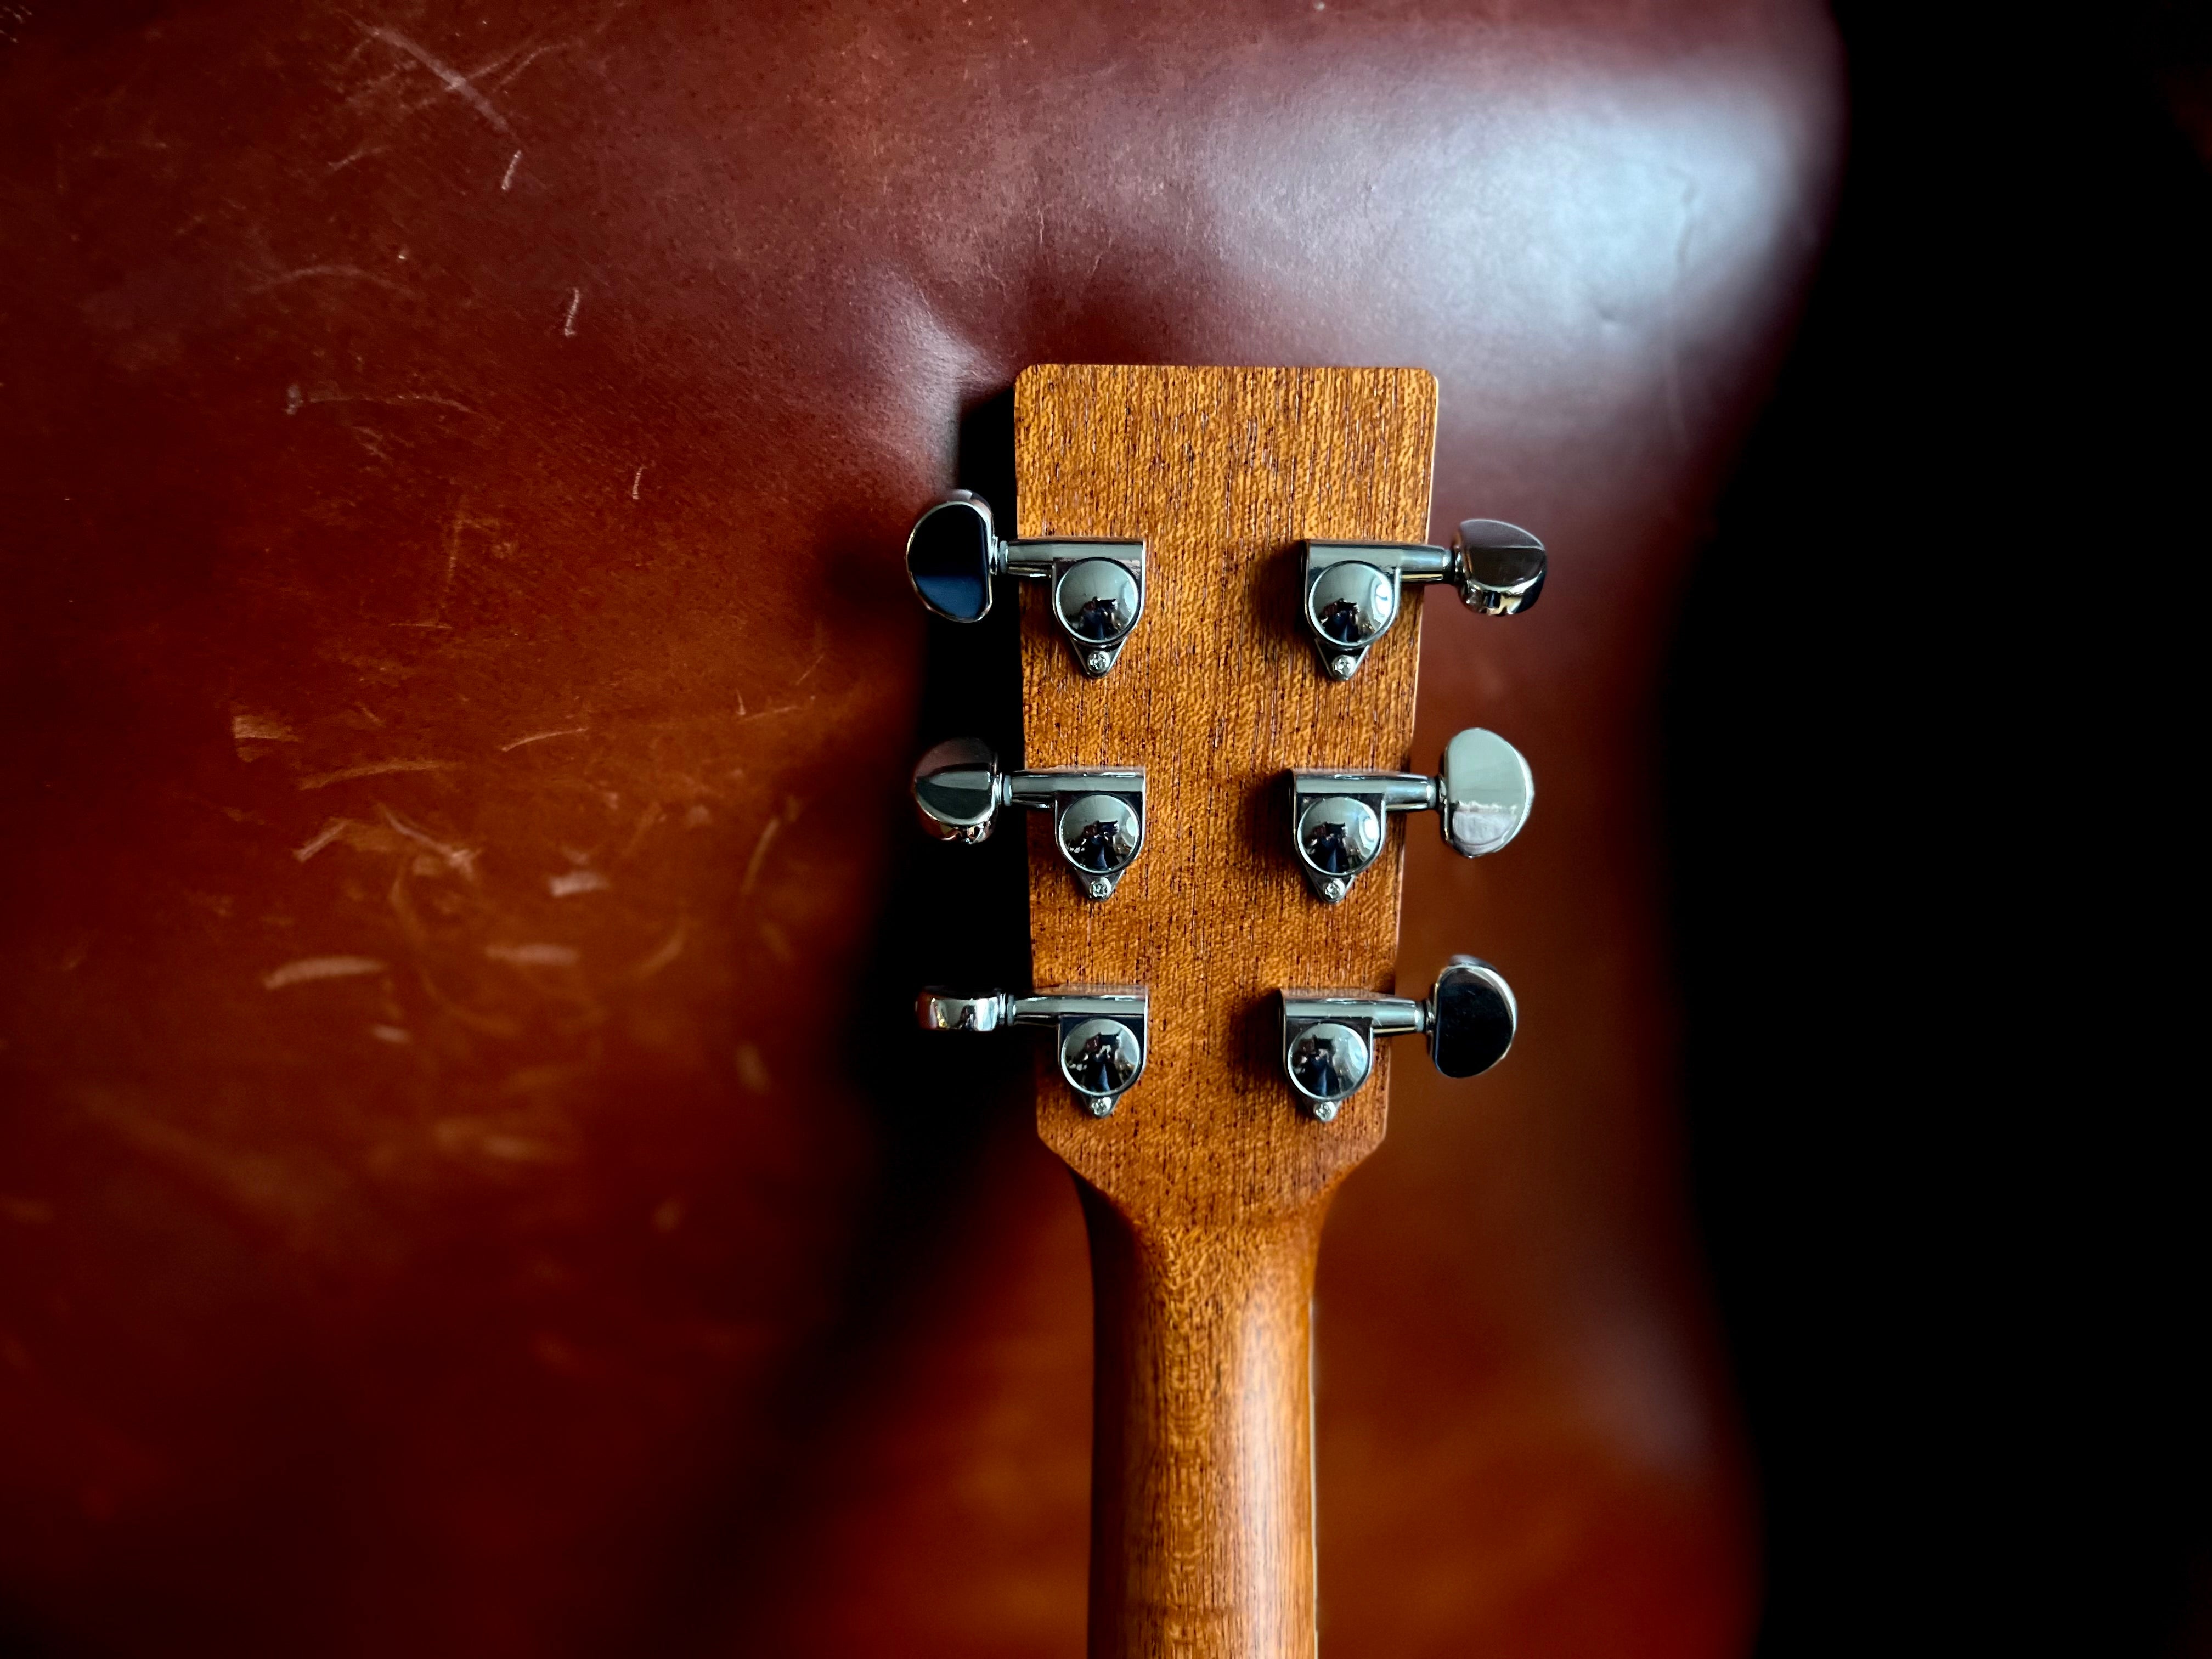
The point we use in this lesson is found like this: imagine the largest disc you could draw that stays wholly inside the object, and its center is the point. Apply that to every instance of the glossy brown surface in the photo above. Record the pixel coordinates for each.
(459, 685)
(1207, 1187)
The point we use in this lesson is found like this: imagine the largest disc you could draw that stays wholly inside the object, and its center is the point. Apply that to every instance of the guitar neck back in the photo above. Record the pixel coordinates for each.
(1204, 1190)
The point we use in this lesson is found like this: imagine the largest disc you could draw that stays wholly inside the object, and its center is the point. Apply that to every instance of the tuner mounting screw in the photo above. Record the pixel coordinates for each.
(1097, 662)
(1098, 887)
(1342, 668)
(1324, 1111)
(1332, 890)
(1099, 1105)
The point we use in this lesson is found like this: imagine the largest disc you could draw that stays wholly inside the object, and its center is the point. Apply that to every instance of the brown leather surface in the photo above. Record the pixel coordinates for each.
(457, 1191)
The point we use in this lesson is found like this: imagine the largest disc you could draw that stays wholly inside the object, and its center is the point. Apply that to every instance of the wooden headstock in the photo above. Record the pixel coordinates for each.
(1204, 1190)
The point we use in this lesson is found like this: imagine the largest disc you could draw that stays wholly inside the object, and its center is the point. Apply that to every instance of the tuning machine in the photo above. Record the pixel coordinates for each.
(1328, 1036)
(1097, 813)
(1481, 795)
(1351, 593)
(954, 550)
(1101, 1031)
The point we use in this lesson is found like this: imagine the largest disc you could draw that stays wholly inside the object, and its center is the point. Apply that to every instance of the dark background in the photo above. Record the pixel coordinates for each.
(1925, 742)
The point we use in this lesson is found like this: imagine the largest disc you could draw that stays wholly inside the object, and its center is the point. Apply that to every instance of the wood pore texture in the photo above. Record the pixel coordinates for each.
(1205, 1192)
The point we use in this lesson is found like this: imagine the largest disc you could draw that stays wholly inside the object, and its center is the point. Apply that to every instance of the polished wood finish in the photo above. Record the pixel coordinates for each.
(1206, 1191)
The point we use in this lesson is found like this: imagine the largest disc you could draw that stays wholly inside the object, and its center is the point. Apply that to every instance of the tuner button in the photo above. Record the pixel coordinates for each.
(936, 1009)
(1500, 567)
(1472, 1018)
(1348, 606)
(949, 557)
(958, 786)
(1483, 793)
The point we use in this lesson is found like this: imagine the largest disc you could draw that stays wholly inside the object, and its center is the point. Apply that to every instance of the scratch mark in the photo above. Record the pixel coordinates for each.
(398, 1036)
(637, 478)
(752, 1070)
(568, 325)
(777, 944)
(461, 524)
(348, 160)
(294, 401)
(260, 728)
(455, 83)
(576, 881)
(323, 837)
(314, 968)
(507, 179)
(646, 820)
(760, 852)
(355, 272)
(534, 956)
(490, 1138)
(668, 949)
(540, 737)
(463, 858)
(376, 768)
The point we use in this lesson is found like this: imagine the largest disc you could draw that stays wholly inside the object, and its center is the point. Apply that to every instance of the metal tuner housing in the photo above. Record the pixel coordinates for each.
(1100, 1030)
(954, 550)
(1328, 1036)
(1097, 813)
(1351, 593)
(1481, 794)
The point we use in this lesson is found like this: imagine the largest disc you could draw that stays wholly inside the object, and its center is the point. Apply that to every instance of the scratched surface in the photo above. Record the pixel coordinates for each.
(462, 1188)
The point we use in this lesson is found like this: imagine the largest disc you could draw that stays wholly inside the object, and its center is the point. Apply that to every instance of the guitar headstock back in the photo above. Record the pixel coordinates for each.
(1218, 695)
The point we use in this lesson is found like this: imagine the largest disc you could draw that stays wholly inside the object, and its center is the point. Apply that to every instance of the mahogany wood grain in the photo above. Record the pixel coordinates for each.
(1205, 1193)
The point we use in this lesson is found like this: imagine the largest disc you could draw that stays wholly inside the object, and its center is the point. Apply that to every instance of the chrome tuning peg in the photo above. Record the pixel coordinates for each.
(1351, 592)
(1098, 586)
(1328, 1036)
(1097, 813)
(1101, 1032)
(1481, 795)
